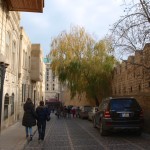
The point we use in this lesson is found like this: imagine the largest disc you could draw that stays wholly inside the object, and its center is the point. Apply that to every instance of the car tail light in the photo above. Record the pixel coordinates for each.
(107, 114)
(141, 114)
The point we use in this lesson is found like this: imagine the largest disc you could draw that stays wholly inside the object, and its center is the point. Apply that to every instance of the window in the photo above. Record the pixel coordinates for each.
(53, 77)
(13, 55)
(131, 89)
(6, 103)
(7, 46)
(47, 87)
(53, 87)
(139, 87)
(12, 104)
(47, 73)
(24, 58)
(23, 92)
(29, 63)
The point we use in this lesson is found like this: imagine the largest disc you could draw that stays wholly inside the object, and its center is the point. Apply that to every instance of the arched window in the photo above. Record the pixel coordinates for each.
(6, 103)
(12, 104)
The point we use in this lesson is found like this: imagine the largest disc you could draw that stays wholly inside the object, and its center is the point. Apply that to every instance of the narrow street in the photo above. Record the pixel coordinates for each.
(78, 134)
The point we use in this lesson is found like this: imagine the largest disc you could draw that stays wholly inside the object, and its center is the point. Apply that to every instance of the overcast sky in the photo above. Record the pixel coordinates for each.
(95, 16)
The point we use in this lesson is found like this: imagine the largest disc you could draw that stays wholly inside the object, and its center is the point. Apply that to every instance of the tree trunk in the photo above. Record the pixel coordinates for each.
(96, 101)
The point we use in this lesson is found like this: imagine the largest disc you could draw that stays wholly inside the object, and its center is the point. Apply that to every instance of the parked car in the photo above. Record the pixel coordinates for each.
(84, 111)
(92, 113)
(117, 114)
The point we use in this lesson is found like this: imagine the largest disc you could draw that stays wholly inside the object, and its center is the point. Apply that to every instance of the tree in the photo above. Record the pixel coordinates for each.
(132, 31)
(82, 63)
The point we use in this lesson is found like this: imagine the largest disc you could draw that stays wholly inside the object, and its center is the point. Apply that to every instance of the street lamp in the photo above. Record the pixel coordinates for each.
(3, 67)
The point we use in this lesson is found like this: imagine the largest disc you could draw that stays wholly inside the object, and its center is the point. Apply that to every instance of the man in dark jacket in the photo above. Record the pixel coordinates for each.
(29, 117)
(42, 113)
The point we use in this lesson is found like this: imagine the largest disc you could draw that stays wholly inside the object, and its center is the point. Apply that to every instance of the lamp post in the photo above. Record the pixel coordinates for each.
(3, 67)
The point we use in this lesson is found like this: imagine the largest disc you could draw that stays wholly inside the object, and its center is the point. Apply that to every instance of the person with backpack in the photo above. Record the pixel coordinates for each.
(43, 115)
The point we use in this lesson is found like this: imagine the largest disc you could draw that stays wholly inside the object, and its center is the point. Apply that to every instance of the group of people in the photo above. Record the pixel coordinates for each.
(67, 111)
(34, 117)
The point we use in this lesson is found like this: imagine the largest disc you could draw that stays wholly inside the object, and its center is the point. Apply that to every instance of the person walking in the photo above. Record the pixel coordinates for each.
(29, 118)
(42, 114)
(73, 112)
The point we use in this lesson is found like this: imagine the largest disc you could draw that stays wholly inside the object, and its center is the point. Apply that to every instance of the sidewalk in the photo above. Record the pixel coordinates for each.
(14, 137)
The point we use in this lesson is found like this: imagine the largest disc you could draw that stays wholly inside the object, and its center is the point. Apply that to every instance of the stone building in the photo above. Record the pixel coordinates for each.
(132, 78)
(31, 70)
(52, 84)
(9, 54)
(16, 73)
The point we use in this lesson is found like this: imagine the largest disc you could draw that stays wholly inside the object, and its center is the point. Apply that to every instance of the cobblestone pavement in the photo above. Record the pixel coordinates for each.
(78, 134)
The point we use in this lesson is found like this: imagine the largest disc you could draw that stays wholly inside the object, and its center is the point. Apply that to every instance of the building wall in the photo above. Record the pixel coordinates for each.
(52, 84)
(15, 50)
(9, 49)
(25, 85)
(132, 78)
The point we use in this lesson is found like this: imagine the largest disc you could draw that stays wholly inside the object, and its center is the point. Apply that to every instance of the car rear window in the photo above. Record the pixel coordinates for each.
(124, 104)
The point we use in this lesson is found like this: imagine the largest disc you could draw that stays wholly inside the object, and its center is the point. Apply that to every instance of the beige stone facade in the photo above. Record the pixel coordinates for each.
(132, 78)
(22, 78)
(9, 50)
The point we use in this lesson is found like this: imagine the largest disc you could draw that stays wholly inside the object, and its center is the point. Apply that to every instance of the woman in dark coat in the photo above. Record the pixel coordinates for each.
(29, 117)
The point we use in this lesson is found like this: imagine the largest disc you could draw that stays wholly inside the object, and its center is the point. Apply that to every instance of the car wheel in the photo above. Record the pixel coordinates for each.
(139, 132)
(94, 123)
(102, 131)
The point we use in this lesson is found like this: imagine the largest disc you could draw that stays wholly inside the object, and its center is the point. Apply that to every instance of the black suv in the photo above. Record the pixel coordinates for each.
(116, 114)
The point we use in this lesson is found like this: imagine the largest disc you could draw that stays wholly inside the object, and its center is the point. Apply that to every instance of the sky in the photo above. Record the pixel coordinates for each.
(96, 16)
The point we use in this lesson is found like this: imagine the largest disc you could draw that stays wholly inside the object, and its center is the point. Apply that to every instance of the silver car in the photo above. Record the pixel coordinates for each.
(84, 111)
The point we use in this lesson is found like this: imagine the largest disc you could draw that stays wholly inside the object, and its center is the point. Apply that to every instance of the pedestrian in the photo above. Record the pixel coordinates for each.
(58, 112)
(77, 112)
(69, 112)
(42, 114)
(29, 118)
(73, 112)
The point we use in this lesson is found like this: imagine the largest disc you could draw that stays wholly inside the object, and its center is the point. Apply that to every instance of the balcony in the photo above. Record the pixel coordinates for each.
(36, 63)
(25, 5)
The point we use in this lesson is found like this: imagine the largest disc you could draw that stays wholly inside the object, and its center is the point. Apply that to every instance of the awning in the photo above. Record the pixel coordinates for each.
(25, 5)
(53, 100)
